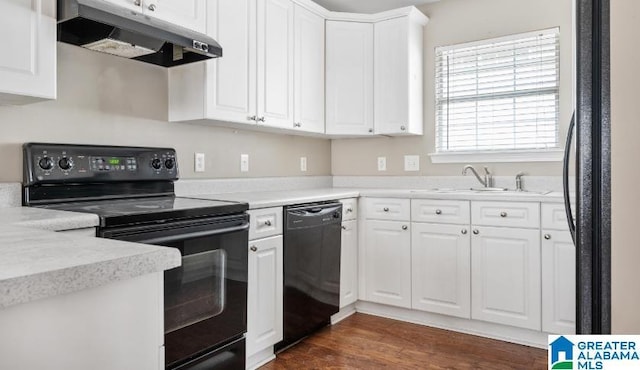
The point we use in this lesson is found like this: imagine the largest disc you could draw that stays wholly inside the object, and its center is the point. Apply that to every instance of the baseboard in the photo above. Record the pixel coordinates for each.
(344, 312)
(505, 333)
(259, 359)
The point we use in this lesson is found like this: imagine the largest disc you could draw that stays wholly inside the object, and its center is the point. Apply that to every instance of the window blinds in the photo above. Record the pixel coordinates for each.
(498, 94)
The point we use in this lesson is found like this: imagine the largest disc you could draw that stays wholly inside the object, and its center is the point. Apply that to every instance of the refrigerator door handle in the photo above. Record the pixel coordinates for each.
(565, 178)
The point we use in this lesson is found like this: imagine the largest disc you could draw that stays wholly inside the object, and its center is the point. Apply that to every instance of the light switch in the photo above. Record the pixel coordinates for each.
(198, 162)
(244, 162)
(412, 163)
(303, 164)
(382, 163)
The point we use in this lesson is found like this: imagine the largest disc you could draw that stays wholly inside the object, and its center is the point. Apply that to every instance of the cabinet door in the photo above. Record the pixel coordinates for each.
(231, 80)
(275, 63)
(349, 78)
(190, 14)
(264, 299)
(387, 262)
(309, 71)
(28, 59)
(441, 269)
(558, 283)
(349, 263)
(397, 78)
(505, 276)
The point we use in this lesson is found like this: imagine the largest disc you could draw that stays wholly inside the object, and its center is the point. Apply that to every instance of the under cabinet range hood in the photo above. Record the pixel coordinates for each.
(102, 26)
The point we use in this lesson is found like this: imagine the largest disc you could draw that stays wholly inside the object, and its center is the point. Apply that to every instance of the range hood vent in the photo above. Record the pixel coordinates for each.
(101, 26)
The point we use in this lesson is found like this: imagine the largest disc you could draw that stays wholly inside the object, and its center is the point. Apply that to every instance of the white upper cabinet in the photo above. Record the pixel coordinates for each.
(349, 78)
(309, 71)
(275, 63)
(28, 60)
(398, 92)
(191, 14)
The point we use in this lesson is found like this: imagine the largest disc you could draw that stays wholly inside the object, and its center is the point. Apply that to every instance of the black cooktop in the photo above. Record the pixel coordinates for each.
(121, 212)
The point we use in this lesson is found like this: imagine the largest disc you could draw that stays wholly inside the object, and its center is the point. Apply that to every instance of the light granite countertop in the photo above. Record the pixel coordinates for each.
(265, 199)
(37, 262)
(46, 219)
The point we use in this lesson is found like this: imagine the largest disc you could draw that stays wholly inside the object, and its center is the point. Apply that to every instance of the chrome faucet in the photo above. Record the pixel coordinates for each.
(488, 179)
(519, 181)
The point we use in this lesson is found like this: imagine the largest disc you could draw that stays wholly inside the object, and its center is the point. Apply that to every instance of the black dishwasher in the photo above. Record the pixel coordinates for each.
(312, 239)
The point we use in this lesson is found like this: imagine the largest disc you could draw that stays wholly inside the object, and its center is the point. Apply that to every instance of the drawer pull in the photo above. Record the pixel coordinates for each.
(386, 209)
(476, 232)
(405, 227)
(349, 210)
(464, 231)
(503, 214)
(267, 223)
(438, 211)
(547, 236)
(254, 248)
(344, 227)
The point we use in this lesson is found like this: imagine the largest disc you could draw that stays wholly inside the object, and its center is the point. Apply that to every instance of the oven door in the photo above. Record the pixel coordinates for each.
(205, 299)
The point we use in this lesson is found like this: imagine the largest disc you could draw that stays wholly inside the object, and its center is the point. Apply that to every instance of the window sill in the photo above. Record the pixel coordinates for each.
(552, 155)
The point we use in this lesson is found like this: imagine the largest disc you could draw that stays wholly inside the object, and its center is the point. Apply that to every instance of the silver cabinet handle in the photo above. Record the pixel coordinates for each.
(267, 223)
(254, 248)
(297, 124)
(386, 209)
(252, 118)
(403, 128)
(152, 7)
(344, 227)
(370, 130)
(476, 232)
(137, 3)
(547, 236)
(464, 231)
(261, 119)
(405, 227)
(349, 210)
(503, 214)
(438, 211)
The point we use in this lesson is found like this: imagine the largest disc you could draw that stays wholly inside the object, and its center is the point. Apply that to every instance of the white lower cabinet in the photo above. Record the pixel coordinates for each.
(505, 276)
(264, 302)
(558, 282)
(387, 262)
(441, 268)
(349, 263)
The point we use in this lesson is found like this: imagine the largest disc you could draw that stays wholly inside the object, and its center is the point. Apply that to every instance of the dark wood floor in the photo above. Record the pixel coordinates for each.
(369, 342)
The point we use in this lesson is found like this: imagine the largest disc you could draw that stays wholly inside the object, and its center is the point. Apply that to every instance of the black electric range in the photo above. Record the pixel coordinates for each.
(131, 189)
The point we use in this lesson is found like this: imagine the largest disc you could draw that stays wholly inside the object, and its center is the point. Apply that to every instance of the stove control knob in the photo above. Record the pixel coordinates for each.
(156, 163)
(45, 163)
(170, 163)
(65, 163)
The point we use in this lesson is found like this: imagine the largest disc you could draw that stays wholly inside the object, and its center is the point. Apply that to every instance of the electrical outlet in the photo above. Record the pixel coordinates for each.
(198, 160)
(303, 164)
(382, 163)
(412, 163)
(244, 162)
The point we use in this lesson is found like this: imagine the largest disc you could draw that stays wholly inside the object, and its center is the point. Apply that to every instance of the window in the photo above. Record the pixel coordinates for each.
(498, 95)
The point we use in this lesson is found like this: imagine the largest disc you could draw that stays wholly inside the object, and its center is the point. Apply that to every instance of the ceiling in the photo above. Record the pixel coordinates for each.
(368, 6)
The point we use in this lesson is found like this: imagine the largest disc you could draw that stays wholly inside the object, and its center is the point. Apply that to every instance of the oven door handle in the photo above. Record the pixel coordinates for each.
(198, 234)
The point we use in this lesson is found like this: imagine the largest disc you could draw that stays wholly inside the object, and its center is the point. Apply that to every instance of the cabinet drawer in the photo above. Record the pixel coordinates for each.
(440, 211)
(265, 222)
(511, 214)
(553, 216)
(349, 209)
(387, 209)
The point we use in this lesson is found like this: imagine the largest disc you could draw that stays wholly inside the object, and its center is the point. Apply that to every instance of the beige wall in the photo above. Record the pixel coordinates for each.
(457, 21)
(625, 153)
(108, 100)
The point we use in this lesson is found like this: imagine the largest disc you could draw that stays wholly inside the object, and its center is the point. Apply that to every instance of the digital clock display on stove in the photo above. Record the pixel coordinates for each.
(111, 164)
